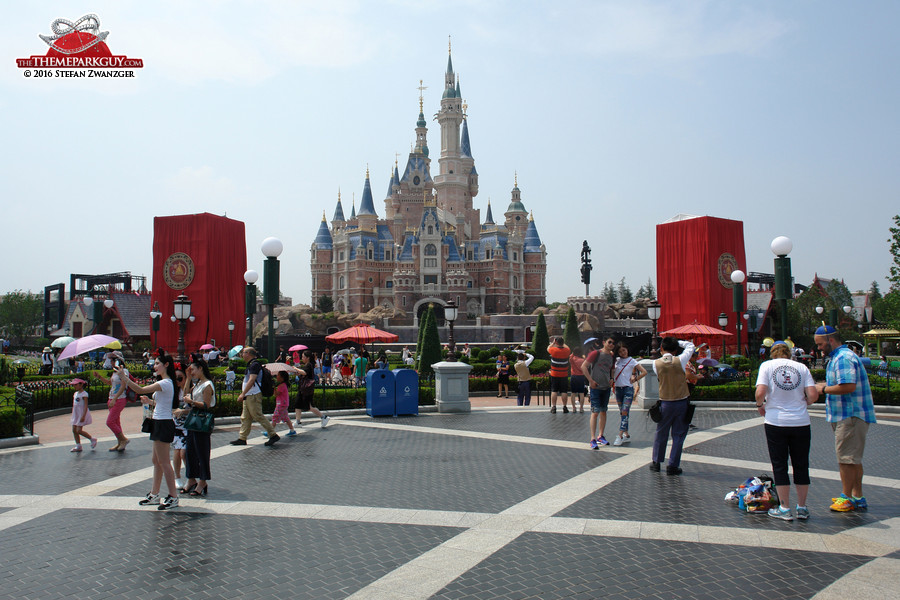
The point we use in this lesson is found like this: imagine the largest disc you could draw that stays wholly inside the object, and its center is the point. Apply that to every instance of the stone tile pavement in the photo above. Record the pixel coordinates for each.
(504, 502)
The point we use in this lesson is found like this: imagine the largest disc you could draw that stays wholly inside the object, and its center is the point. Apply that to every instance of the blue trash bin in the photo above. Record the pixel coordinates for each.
(407, 383)
(380, 393)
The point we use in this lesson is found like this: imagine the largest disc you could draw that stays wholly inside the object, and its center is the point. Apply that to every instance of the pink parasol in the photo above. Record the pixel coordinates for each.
(361, 333)
(207, 347)
(275, 367)
(297, 348)
(85, 344)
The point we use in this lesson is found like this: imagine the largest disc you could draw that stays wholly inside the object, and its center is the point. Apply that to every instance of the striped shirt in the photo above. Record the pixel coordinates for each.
(845, 367)
(559, 360)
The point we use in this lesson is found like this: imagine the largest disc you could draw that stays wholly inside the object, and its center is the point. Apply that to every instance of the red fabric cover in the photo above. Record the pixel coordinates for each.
(217, 246)
(687, 262)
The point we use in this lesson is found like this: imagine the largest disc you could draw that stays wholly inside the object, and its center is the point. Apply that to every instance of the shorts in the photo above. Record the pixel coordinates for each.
(559, 385)
(578, 384)
(326, 370)
(162, 431)
(850, 440)
(599, 400)
(301, 402)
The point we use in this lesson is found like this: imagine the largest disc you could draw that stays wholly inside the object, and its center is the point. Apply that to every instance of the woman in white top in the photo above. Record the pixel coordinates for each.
(199, 443)
(627, 371)
(784, 389)
(162, 430)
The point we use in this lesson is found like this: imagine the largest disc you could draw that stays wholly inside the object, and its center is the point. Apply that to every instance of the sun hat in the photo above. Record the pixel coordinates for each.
(47, 349)
(77, 380)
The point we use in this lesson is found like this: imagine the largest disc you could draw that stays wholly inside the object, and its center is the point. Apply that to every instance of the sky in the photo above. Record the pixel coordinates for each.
(615, 116)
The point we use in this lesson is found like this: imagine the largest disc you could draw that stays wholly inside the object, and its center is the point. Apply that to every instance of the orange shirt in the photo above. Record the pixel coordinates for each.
(559, 361)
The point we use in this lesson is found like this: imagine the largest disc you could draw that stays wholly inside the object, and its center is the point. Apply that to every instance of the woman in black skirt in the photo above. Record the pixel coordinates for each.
(199, 443)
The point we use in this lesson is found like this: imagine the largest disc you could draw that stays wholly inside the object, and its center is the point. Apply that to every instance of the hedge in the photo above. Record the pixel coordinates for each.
(12, 420)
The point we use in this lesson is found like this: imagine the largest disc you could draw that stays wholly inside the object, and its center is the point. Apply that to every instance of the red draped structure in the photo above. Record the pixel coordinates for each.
(203, 256)
(694, 260)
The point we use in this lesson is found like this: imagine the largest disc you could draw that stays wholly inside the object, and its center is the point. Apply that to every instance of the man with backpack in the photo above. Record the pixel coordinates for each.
(598, 369)
(256, 378)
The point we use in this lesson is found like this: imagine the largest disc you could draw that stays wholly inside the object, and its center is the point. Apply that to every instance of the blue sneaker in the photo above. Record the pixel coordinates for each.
(861, 503)
(779, 512)
(265, 434)
(291, 432)
(594, 445)
(802, 513)
(602, 441)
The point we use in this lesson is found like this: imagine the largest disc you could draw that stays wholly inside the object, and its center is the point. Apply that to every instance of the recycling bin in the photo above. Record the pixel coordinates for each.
(407, 385)
(380, 393)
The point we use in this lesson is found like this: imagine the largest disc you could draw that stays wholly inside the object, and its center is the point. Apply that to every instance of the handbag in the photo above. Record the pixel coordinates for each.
(199, 419)
(655, 412)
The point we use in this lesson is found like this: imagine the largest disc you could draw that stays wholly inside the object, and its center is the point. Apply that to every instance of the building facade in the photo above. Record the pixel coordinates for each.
(431, 245)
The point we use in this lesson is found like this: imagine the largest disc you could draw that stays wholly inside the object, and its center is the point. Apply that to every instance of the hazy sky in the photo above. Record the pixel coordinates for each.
(616, 116)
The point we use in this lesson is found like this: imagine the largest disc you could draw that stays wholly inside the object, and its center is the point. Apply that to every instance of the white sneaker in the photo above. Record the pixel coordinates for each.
(626, 439)
(325, 422)
(169, 502)
(180, 482)
(617, 441)
(93, 443)
(150, 499)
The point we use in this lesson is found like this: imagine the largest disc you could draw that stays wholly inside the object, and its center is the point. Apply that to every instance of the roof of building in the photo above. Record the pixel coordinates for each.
(416, 163)
(532, 239)
(465, 146)
(367, 204)
(338, 210)
(134, 312)
(323, 236)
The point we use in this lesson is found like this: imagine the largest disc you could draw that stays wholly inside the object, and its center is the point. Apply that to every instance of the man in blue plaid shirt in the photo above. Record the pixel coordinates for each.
(849, 408)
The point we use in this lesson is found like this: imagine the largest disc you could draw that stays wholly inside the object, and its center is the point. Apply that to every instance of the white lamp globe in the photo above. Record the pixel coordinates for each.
(272, 247)
(782, 246)
(737, 276)
(251, 277)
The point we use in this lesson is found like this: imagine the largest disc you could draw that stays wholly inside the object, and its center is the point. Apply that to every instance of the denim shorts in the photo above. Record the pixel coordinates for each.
(599, 400)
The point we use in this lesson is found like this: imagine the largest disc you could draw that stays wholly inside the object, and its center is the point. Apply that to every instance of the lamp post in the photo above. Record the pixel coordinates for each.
(755, 314)
(230, 334)
(781, 247)
(654, 310)
(154, 322)
(272, 248)
(450, 313)
(737, 278)
(250, 277)
(723, 323)
(182, 314)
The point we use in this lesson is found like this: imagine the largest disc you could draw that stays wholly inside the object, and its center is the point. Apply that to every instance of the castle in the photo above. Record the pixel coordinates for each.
(431, 246)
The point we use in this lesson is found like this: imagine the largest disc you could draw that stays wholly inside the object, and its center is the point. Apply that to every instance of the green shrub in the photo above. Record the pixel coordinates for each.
(12, 419)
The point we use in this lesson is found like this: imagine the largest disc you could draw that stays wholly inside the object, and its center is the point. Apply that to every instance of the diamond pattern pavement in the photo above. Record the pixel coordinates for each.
(497, 503)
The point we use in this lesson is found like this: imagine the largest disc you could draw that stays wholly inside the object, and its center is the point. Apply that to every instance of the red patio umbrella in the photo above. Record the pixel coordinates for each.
(695, 328)
(361, 333)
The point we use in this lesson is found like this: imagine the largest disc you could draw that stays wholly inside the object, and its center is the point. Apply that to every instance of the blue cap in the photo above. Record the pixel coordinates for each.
(779, 342)
(826, 330)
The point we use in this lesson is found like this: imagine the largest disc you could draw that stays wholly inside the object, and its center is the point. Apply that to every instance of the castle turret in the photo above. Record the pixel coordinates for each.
(366, 215)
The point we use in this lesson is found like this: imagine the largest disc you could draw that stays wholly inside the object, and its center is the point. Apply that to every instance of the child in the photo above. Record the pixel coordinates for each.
(81, 416)
(179, 443)
(229, 377)
(282, 399)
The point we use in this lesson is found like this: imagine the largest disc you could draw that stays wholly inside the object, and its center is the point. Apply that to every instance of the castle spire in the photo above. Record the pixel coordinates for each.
(489, 219)
(367, 204)
(338, 210)
(465, 147)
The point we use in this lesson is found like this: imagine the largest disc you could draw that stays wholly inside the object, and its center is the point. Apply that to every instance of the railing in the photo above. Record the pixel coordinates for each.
(21, 400)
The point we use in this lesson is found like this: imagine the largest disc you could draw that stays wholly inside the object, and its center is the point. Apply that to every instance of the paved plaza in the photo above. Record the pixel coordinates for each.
(502, 502)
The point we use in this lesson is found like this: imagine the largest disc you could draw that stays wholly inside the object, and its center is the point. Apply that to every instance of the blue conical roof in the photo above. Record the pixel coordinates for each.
(338, 210)
(532, 239)
(367, 205)
(323, 236)
(390, 191)
(489, 219)
(465, 146)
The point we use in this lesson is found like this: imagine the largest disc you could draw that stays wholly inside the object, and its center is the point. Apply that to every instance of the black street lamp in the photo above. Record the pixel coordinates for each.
(182, 312)
(737, 279)
(723, 323)
(272, 248)
(230, 334)
(451, 311)
(154, 322)
(654, 311)
(784, 287)
(250, 277)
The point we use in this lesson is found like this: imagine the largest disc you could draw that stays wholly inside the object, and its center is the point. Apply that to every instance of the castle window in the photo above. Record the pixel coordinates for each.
(341, 282)
(430, 250)
(341, 255)
(515, 282)
(469, 284)
(388, 284)
(432, 279)
(515, 256)
(430, 230)
(403, 300)
(431, 262)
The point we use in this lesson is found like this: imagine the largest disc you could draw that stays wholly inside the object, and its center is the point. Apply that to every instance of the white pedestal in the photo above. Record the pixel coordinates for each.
(649, 393)
(451, 386)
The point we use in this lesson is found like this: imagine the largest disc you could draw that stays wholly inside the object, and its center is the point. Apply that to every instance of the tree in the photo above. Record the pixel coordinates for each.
(647, 291)
(609, 293)
(839, 294)
(874, 292)
(570, 333)
(20, 313)
(886, 310)
(624, 292)
(430, 349)
(325, 304)
(541, 339)
(894, 241)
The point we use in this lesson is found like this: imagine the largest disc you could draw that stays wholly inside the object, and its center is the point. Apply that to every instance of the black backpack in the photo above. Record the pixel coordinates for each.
(265, 381)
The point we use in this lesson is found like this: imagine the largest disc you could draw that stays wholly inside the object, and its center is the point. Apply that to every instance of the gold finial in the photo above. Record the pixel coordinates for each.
(531, 216)
(515, 179)
(353, 200)
(339, 193)
(448, 44)
(323, 216)
(465, 108)
(396, 158)
(421, 89)
(367, 170)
